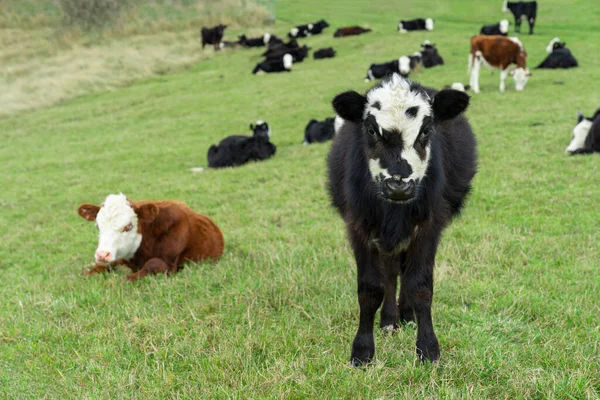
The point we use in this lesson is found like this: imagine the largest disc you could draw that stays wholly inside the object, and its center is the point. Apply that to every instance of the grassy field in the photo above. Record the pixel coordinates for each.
(516, 308)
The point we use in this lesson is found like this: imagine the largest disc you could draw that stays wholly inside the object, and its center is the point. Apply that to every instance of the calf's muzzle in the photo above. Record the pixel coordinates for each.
(397, 190)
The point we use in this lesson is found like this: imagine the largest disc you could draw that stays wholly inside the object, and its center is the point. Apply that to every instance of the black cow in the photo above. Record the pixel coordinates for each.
(305, 30)
(418, 24)
(328, 52)
(586, 135)
(350, 31)
(298, 54)
(519, 9)
(501, 28)
(559, 57)
(400, 168)
(238, 150)
(281, 48)
(430, 56)
(213, 35)
(403, 66)
(258, 42)
(318, 132)
(282, 64)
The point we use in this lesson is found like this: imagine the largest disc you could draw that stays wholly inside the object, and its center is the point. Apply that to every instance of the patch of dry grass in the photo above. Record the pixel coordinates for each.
(45, 62)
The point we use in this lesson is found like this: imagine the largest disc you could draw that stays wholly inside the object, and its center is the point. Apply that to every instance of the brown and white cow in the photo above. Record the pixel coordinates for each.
(150, 237)
(502, 53)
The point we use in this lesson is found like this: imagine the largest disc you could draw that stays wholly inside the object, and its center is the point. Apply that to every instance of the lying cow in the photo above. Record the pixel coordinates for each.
(418, 24)
(501, 28)
(350, 31)
(522, 9)
(281, 64)
(238, 150)
(430, 56)
(298, 54)
(502, 53)
(328, 52)
(213, 35)
(258, 42)
(559, 57)
(305, 30)
(403, 66)
(318, 132)
(150, 237)
(586, 135)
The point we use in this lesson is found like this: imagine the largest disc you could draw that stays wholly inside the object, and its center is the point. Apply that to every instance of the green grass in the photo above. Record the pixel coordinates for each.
(516, 307)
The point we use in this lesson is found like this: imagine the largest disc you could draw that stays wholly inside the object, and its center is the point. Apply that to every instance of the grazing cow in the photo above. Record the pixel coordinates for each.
(258, 42)
(350, 31)
(555, 44)
(150, 237)
(502, 53)
(403, 66)
(328, 52)
(281, 64)
(301, 31)
(400, 169)
(213, 35)
(559, 57)
(430, 56)
(238, 150)
(318, 132)
(501, 28)
(520, 9)
(586, 135)
(418, 24)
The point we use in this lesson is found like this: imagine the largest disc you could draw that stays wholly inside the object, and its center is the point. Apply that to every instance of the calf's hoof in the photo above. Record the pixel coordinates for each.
(428, 350)
(363, 351)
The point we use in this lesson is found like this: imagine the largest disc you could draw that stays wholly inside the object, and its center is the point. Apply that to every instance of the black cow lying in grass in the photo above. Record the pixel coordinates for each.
(429, 55)
(278, 50)
(586, 135)
(328, 52)
(317, 131)
(559, 57)
(238, 150)
(520, 9)
(213, 35)
(265, 40)
(400, 168)
(501, 28)
(281, 64)
(403, 66)
(418, 24)
(305, 30)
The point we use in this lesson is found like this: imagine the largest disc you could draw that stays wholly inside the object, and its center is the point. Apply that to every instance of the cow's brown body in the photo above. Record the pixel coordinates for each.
(172, 234)
(498, 51)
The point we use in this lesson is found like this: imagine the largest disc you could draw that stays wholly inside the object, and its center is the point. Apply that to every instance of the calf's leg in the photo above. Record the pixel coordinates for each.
(97, 269)
(531, 23)
(389, 310)
(153, 266)
(370, 296)
(503, 75)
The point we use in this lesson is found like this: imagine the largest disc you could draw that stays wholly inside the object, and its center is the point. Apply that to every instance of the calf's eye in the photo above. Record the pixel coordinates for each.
(128, 227)
(371, 131)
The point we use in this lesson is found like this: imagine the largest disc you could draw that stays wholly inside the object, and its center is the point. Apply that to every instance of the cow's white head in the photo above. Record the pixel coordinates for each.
(288, 60)
(504, 26)
(580, 133)
(550, 46)
(118, 221)
(404, 65)
(397, 119)
(429, 24)
(521, 76)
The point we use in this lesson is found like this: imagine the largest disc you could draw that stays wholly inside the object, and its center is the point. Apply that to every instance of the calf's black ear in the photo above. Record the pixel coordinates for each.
(449, 103)
(350, 105)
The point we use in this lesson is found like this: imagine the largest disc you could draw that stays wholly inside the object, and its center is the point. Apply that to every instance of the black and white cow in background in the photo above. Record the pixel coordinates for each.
(522, 9)
(586, 135)
(400, 168)
(327, 52)
(429, 55)
(282, 64)
(458, 86)
(321, 131)
(238, 150)
(501, 28)
(559, 57)
(403, 66)
(213, 35)
(258, 42)
(418, 24)
(305, 30)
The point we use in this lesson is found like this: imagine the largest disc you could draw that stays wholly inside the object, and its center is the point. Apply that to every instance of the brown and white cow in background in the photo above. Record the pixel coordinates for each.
(502, 53)
(150, 237)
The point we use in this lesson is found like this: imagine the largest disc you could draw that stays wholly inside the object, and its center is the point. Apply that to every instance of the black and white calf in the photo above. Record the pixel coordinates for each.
(305, 30)
(257, 42)
(400, 168)
(327, 52)
(501, 28)
(586, 135)
(559, 57)
(522, 9)
(238, 150)
(418, 24)
(458, 86)
(403, 66)
(429, 55)
(321, 131)
(282, 64)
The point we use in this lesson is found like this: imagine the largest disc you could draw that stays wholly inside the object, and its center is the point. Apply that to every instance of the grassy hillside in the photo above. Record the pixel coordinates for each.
(516, 306)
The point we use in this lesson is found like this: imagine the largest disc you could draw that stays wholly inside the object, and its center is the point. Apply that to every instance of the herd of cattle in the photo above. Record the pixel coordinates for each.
(399, 170)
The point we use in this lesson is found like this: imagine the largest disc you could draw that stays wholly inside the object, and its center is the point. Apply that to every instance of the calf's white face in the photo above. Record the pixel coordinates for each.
(404, 65)
(117, 224)
(397, 119)
(504, 26)
(429, 24)
(550, 46)
(580, 132)
(521, 76)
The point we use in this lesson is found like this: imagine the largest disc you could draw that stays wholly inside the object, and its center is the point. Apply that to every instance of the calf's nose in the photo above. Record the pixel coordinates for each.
(398, 190)
(102, 255)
